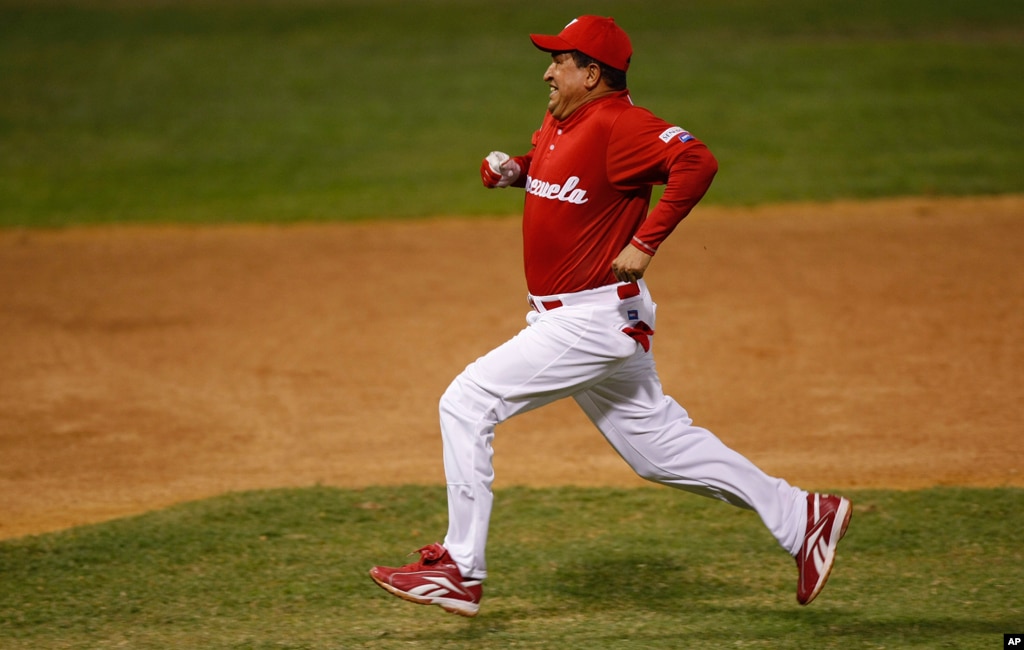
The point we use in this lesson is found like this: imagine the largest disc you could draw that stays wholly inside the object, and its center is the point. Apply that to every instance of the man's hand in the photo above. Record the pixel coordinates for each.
(631, 264)
(498, 170)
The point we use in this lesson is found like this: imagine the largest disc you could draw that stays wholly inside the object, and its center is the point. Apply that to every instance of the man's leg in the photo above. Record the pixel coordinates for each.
(557, 355)
(656, 436)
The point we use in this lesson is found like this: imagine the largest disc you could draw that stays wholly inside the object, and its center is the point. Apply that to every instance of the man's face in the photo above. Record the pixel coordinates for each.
(567, 83)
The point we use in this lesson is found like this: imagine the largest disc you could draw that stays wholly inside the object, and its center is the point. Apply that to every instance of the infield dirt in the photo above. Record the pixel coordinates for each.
(847, 345)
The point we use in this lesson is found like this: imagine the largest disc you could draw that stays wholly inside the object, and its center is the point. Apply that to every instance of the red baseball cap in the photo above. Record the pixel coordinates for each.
(597, 37)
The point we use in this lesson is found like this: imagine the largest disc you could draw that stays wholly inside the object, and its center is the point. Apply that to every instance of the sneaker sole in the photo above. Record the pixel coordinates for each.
(843, 515)
(460, 607)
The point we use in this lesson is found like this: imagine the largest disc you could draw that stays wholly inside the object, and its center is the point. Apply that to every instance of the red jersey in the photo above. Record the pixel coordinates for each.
(588, 181)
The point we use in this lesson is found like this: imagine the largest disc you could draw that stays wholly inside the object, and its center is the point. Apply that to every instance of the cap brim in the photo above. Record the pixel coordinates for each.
(550, 43)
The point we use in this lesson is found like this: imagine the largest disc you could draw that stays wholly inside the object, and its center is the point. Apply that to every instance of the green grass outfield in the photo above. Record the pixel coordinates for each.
(268, 110)
(570, 568)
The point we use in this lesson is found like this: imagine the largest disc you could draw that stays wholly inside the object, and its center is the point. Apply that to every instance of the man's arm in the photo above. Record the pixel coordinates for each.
(500, 170)
(689, 176)
(644, 150)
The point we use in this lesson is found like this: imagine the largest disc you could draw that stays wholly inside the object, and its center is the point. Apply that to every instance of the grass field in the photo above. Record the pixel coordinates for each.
(570, 568)
(257, 111)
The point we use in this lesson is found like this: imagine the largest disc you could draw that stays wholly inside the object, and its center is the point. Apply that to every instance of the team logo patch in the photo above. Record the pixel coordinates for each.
(675, 132)
(670, 133)
(633, 314)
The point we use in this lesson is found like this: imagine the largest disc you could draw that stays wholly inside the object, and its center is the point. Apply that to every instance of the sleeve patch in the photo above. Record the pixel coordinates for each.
(668, 134)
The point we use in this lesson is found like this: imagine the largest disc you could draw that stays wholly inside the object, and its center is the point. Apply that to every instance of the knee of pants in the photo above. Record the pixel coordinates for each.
(650, 472)
(465, 401)
(646, 468)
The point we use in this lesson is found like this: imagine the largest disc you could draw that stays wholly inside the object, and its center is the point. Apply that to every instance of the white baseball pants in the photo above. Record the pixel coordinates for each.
(579, 350)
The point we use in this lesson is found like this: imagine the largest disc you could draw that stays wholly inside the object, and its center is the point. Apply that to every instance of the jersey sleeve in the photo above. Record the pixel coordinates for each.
(524, 161)
(644, 150)
(524, 169)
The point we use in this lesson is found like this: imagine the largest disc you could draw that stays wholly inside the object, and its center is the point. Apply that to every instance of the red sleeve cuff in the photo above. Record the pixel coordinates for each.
(639, 243)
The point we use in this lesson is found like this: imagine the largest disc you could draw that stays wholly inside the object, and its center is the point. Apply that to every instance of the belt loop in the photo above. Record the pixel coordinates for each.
(545, 305)
(626, 291)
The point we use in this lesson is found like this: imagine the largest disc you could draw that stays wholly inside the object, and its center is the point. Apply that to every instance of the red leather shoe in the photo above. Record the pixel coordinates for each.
(827, 519)
(433, 580)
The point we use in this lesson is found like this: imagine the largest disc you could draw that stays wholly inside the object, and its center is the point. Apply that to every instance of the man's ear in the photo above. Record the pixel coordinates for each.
(593, 76)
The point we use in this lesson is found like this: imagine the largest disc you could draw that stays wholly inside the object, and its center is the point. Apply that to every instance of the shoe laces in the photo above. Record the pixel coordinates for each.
(431, 553)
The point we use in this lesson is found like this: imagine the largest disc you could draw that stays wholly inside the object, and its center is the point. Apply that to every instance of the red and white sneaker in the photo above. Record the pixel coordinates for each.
(827, 519)
(434, 580)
